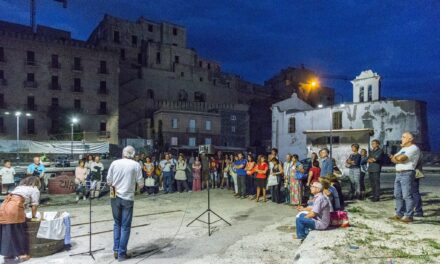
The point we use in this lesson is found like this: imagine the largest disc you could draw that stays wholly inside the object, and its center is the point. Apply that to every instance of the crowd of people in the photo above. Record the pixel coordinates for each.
(313, 186)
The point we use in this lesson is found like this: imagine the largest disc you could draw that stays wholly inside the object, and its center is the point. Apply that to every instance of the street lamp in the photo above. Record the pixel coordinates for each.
(73, 121)
(17, 115)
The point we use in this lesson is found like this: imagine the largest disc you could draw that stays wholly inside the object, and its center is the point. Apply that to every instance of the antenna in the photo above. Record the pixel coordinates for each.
(33, 13)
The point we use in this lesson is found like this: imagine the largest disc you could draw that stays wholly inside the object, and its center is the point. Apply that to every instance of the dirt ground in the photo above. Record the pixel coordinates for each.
(259, 232)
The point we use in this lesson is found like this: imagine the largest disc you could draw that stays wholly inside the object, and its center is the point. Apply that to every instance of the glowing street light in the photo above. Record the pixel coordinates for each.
(17, 115)
(73, 121)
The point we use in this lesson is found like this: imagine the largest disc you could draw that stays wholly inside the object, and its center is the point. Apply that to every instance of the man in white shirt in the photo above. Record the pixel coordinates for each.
(168, 166)
(122, 176)
(406, 161)
(7, 176)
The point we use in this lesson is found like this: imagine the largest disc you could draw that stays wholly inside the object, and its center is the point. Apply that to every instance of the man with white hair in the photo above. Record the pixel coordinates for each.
(406, 161)
(122, 177)
(316, 217)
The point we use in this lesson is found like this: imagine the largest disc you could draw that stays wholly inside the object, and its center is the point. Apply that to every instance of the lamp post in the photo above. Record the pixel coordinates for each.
(74, 121)
(331, 122)
(17, 115)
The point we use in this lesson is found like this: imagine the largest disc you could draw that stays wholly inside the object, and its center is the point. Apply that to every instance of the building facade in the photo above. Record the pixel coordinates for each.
(157, 66)
(53, 78)
(293, 129)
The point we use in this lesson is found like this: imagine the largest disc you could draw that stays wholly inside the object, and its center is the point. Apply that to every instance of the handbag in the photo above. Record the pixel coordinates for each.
(272, 180)
(339, 219)
(149, 182)
(419, 174)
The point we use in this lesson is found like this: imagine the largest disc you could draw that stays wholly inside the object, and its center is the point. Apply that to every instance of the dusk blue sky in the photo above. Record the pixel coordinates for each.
(256, 39)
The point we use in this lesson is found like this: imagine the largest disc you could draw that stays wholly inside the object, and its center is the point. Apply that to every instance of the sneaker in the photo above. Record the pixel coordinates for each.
(406, 220)
(84, 198)
(77, 198)
(395, 218)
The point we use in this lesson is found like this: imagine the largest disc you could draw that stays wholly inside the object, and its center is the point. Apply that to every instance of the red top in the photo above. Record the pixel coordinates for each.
(315, 174)
(262, 166)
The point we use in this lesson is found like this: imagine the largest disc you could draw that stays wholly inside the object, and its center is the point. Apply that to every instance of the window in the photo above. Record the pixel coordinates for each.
(2, 54)
(77, 85)
(208, 125)
(233, 129)
(337, 120)
(103, 67)
(233, 117)
(139, 58)
(30, 57)
(2, 75)
(208, 141)
(157, 57)
(192, 126)
(54, 83)
(31, 126)
(55, 102)
(174, 141)
(31, 103)
(77, 104)
(335, 139)
(175, 31)
(199, 97)
(122, 54)
(103, 87)
(292, 125)
(2, 101)
(54, 61)
(182, 74)
(150, 28)
(150, 94)
(103, 126)
(209, 66)
(103, 108)
(116, 36)
(370, 93)
(201, 79)
(176, 59)
(30, 77)
(174, 123)
(192, 141)
(134, 40)
(214, 82)
(361, 94)
(77, 64)
(200, 64)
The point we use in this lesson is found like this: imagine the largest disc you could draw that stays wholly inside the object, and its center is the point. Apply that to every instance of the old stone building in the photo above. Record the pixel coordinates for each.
(53, 78)
(299, 128)
(303, 82)
(156, 65)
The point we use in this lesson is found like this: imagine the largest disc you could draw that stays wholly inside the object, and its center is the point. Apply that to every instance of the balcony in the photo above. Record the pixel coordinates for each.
(31, 107)
(103, 91)
(55, 65)
(54, 86)
(77, 89)
(102, 70)
(77, 68)
(30, 62)
(102, 111)
(104, 134)
(192, 130)
(3, 82)
(30, 84)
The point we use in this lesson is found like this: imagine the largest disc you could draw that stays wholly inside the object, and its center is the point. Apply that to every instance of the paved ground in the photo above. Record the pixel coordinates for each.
(260, 233)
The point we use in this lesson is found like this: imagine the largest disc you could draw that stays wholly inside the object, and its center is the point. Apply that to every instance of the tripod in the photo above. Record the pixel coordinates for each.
(90, 252)
(209, 211)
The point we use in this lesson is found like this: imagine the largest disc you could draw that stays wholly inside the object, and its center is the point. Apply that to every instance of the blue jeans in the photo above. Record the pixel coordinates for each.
(355, 181)
(303, 225)
(122, 214)
(404, 192)
(417, 198)
(168, 181)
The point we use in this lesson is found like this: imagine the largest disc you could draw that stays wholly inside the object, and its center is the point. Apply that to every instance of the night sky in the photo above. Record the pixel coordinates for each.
(400, 40)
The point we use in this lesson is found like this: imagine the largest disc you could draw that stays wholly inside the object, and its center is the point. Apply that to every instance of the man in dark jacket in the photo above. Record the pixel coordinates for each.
(374, 167)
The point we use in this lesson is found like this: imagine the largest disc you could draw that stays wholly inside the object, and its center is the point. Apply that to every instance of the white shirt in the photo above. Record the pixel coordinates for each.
(7, 175)
(166, 165)
(123, 175)
(31, 194)
(413, 154)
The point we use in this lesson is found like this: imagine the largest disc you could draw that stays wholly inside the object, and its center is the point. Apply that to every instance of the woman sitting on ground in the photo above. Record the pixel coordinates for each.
(13, 238)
